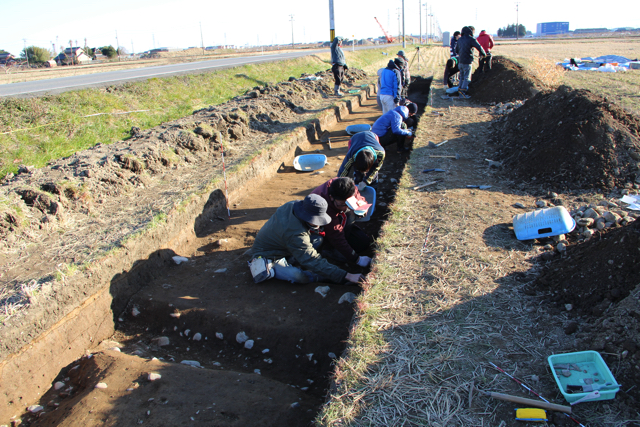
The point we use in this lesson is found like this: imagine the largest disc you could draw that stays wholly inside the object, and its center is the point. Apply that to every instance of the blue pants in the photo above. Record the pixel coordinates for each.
(465, 76)
(284, 270)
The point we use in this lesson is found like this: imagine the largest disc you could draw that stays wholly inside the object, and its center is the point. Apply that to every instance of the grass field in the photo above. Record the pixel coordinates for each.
(35, 130)
(623, 87)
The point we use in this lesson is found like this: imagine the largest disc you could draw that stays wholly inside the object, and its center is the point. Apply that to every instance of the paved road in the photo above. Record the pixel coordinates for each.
(41, 87)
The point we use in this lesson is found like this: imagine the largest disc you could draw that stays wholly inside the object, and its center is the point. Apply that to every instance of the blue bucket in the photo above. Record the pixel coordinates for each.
(309, 162)
(369, 193)
(353, 129)
(452, 90)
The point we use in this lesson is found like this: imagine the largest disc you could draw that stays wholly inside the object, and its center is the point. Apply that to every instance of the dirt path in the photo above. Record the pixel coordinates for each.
(297, 333)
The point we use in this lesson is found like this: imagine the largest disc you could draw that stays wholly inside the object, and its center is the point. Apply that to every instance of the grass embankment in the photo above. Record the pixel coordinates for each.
(34, 131)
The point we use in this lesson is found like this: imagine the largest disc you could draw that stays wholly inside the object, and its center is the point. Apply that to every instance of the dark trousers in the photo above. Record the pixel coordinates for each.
(391, 138)
(485, 62)
(338, 73)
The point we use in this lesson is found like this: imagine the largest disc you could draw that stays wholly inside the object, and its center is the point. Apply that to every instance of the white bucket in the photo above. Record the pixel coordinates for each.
(543, 223)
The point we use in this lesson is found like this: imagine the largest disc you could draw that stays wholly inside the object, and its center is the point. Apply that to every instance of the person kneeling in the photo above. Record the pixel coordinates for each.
(347, 239)
(291, 236)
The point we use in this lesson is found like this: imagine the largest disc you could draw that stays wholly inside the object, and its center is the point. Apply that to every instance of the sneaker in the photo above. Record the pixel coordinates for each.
(462, 95)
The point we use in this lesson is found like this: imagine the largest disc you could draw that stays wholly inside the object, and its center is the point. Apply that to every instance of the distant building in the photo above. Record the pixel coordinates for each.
(72, 56)
(6, 58)
(552, 28)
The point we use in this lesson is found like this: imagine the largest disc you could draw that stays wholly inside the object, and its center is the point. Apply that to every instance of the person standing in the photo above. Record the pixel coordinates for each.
(339, 64)
(391, 85)
(406, 75)
(486, 41)
(464, 49)
(453, 43)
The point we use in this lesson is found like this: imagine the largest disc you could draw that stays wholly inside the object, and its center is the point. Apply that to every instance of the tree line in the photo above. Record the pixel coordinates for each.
(510, 31)
(40, 55)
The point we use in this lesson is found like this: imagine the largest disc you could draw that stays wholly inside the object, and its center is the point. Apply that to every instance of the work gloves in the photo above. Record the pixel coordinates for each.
(364, 261)
(361, 185)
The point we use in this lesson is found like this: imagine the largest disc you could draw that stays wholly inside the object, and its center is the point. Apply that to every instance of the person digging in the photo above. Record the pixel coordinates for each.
(286, 247)
(347, 241)
(391, 129)
(338, 64)
(363, 160)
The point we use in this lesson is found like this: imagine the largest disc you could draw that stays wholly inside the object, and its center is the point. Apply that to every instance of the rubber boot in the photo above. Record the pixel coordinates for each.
(336, 90)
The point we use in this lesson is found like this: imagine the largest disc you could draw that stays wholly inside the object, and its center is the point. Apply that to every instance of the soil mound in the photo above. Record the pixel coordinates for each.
(570, 139)
(507, 81)
(600, 279)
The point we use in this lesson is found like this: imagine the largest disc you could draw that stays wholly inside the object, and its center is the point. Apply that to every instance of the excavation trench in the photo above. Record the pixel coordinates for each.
(193, 313)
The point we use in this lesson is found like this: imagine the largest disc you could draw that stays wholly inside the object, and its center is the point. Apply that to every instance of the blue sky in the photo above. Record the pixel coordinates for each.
(143, 24)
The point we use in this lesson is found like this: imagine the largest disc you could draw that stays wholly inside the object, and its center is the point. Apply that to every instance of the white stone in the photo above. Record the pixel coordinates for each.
(101, 385)
(348, 297)
(58, 385)
(135, 311)
(187, 332)
(568, 307)
(332, 355)
(221, 270)
(323, 290)
(269, 361)
(541, 203)
(179, 259)
(257, 371)
(219, 335)
(34, 409)
(176, 315)
(197, 336)
(310, 356)
(241, 337)
(561, 247)
(161, 341)
(193, 363)
(265, 351)
(115, 349)
(248, 344)
(152, 376)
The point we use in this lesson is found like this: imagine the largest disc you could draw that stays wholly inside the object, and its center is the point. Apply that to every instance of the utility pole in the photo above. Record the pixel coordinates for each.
(399, 29)
(404, 41)
(517, 23)
(133, 52)
(154, 40)
(292, 44)
(426, 22)
(201, 39)
(73, 59)
(26, 52)
(117, 46)
(53, 46)
(420, 19)
(332, 23)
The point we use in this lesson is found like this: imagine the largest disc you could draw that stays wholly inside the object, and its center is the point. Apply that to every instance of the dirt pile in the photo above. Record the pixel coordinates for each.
(568, 140)
(597, 285)
(507, 81)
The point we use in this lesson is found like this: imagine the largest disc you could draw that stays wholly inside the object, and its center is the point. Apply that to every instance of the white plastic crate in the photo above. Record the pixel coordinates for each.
(543, 223)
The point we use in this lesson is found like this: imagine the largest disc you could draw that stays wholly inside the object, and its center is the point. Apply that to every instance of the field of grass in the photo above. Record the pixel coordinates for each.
(34, 131)
(622, 87)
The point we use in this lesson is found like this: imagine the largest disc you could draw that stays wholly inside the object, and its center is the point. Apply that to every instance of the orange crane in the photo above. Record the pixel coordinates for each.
(386, 36)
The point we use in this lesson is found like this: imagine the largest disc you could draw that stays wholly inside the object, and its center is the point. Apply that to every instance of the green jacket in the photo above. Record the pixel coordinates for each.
(285, 235)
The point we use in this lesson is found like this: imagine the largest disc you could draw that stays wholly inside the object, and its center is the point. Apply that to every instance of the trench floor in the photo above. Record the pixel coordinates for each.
(202, 304)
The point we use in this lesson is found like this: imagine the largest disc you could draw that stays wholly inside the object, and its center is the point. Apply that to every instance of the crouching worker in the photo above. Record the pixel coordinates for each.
(390, 127)
(347, 239)
(363, 160)
(286, 247)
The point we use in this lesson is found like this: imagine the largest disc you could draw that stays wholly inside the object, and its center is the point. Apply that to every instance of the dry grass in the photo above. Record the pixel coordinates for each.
(444, 300)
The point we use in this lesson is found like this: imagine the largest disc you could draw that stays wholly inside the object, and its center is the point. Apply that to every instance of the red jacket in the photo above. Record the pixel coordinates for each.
(334, 231)
(485, 40)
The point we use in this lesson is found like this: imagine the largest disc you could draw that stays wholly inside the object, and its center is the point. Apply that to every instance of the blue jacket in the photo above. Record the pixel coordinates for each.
(466, 43)
(337, 56)
(392, 120)
(391, 80)
(359, 141)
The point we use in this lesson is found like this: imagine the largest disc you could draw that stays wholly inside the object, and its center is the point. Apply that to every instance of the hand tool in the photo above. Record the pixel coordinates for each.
(531, 402)
(433, 170)
(434, 145)
(456, 157)
(481, 187)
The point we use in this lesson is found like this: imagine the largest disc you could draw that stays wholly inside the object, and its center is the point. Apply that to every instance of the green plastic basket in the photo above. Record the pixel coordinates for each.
(589, 361)
(354, 91)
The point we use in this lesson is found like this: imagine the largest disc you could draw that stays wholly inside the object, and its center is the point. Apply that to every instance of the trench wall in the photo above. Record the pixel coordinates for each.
(56, 332)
